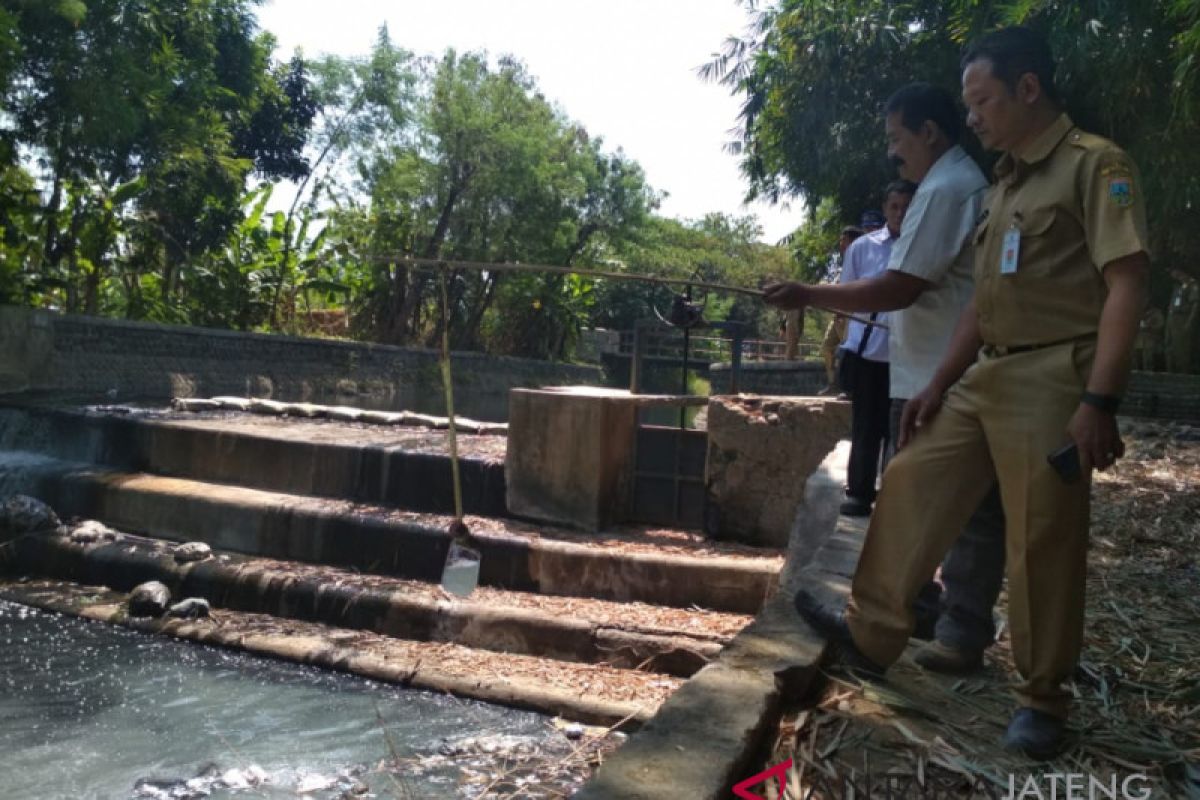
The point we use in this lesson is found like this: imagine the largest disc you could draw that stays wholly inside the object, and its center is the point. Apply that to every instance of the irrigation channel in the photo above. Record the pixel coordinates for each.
(96, 711)
(322, 539)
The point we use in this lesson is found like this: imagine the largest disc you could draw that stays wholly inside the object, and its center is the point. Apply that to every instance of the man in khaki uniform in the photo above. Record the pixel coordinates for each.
(1039, 359)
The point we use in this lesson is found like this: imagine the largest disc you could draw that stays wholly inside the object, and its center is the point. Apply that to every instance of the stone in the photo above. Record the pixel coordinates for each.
(191, 608)
(233, 403)
(149, 599)
(345, 413)
(21, 514)
(761, 451)
(192, 551)
(194, 404)
(91, 531)
(260, 405)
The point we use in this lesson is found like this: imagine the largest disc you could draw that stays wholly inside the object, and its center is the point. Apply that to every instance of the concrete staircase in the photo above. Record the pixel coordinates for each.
(343, 526)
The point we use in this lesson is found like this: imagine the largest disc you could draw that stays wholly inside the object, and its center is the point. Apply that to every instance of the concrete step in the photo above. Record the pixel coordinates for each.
(629, 636)
(397, 466)
(667, 568)
(589, 693)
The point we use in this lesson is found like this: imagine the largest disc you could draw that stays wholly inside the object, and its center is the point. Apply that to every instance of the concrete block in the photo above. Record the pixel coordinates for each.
(570, 455)
(761, 451)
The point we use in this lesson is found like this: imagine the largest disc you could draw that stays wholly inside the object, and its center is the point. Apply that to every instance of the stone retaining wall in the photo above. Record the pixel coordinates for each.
(1160, 395)
(46, 351)
(779, 378)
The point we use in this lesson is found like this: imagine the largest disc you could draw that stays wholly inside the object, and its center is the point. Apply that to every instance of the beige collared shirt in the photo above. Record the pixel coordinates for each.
(1076, 201)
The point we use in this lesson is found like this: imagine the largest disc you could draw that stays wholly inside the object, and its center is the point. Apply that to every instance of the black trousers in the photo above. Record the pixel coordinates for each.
(870, 410)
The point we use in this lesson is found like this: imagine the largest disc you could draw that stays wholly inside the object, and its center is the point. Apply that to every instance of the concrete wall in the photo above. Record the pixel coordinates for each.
(785, 378)
(1151, 394)
(1163, 395)
(89, 356)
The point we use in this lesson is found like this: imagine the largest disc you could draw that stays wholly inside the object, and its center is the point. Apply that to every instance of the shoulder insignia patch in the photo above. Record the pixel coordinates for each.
(1120, 190)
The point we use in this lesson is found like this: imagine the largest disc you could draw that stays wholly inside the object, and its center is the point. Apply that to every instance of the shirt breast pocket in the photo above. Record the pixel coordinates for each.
(1037, 240)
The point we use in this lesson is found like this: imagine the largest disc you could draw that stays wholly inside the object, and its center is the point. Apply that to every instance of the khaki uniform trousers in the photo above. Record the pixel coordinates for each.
(835, 332)
(998, 423)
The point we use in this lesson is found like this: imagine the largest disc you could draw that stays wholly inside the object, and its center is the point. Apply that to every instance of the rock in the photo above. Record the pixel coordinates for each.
(273, 408)
(192, 551)
(382, 417)
(91, 531)
(191, 608)
(195, 404)
(233, 403)
(345, 413)
(21, 514)
(306, 410)
(149, 599)
(761, 451)
(574, 731)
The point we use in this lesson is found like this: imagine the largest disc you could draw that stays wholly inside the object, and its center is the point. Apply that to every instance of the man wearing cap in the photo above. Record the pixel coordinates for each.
(1038, 361)
(927, 284)
(864, 367)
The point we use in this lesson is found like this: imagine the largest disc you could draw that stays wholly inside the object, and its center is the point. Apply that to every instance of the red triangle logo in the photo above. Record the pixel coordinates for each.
(778, 771)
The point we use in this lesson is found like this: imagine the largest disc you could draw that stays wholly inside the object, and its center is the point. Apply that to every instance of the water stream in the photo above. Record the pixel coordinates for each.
(94, 711)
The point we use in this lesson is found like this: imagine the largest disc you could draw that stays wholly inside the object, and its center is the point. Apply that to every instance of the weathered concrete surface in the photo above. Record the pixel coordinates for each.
(409, 469)
(761, 451)
(358, 653)
(707, 734)
(337, 598)
(571, 450)
(388, 541)
(47, 351)
(710, 733)
(570, 455)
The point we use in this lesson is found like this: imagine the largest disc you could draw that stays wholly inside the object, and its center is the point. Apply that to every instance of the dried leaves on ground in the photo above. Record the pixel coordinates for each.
(1137, 687)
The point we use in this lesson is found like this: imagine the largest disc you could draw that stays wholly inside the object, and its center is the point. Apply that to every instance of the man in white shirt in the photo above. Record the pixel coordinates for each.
(864, 368)
(928, 282)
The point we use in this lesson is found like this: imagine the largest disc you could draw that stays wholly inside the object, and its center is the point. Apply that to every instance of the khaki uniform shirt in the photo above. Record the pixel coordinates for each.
(1076, 202)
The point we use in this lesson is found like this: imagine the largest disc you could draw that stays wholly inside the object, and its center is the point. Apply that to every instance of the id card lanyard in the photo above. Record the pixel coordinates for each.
(1010, 251)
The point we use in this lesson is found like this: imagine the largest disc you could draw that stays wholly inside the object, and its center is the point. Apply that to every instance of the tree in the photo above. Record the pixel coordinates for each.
(813, 77)
(142, 122)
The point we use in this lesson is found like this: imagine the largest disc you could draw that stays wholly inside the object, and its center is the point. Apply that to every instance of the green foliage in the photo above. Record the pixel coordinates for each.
(813, 76)
(139, 124)
(130, 131)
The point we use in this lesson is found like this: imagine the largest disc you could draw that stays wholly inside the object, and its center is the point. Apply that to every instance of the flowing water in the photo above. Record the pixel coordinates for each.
(94, 711)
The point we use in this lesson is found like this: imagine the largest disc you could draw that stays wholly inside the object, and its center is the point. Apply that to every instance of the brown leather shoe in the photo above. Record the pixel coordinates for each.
(940, 657)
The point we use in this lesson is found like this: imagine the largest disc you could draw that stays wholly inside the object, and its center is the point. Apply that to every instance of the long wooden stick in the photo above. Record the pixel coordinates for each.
(517, 266)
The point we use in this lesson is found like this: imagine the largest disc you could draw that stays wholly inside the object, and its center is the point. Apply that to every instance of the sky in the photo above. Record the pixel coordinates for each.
(625, 69)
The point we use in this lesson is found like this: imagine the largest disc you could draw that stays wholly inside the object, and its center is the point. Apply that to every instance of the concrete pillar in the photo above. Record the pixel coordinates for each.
(570, 454)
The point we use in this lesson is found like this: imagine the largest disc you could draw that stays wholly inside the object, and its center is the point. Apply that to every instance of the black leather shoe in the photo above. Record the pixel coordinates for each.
(853, 507)
(1035, 733)
(831, 623)
(926, 629)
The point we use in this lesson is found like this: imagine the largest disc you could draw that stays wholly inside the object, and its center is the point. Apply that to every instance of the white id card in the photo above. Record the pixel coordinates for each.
(1010, 253)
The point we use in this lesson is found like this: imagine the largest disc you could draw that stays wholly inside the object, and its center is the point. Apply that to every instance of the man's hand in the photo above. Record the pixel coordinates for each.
(787, 295)
(918, 412)
(1095, 434)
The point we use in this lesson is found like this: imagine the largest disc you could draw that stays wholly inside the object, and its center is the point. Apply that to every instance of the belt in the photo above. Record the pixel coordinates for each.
(1001, 350)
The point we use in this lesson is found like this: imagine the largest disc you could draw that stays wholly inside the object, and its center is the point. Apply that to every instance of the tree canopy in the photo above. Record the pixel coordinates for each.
(813, 76)
(158, 162)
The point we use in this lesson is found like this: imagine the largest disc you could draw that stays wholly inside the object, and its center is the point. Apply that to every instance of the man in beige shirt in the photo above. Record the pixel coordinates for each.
(1039, 360)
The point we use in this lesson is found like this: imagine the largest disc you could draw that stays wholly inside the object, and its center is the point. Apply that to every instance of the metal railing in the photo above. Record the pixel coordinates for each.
(668, 345)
